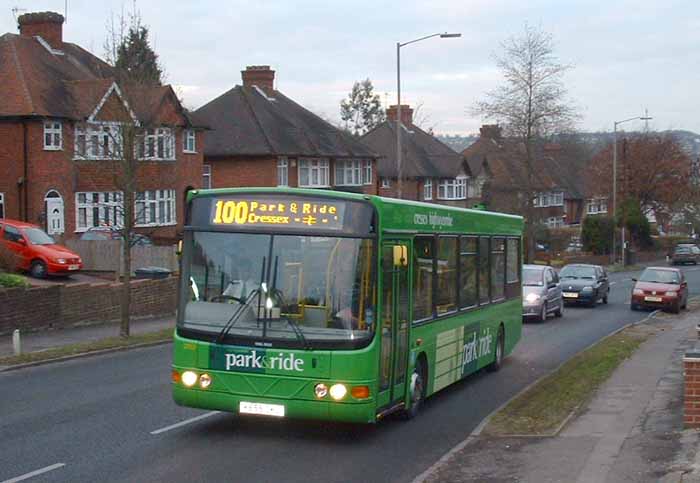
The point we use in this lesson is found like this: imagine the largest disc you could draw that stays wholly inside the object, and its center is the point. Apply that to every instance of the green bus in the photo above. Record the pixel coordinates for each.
(339, 306)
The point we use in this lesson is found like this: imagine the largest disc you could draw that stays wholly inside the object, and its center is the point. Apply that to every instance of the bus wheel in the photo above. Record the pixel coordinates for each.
(417, 390)
(498, 356)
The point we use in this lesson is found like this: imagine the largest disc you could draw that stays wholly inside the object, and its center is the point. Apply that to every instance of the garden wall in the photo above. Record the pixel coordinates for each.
(36, 308)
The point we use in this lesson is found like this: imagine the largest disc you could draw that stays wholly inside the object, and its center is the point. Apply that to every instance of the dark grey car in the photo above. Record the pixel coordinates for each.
(584, 284)
(541, 293)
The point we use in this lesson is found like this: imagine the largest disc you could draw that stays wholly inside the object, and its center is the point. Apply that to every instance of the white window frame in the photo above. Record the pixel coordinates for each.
(98, 141)
(158, 145)
(206, 175)
(2, 205)
(367, 172)
(385, 182)
(310, 168)
(348, 172)
(53, 135)
(107, 205)
(555, 222)
(453, 188)
(549, 198)
(597, 205)
(189, 141)
(428, 189)
(282, 171)
(155, 208)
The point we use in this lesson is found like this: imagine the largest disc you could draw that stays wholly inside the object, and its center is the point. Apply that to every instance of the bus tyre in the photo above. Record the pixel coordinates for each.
(498, 352)
(417, 390)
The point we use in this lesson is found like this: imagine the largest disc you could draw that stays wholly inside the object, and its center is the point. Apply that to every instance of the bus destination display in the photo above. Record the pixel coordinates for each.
(267, 212)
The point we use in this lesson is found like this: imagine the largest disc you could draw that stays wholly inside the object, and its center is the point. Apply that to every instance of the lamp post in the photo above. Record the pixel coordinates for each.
(614, 240)
(399, 154)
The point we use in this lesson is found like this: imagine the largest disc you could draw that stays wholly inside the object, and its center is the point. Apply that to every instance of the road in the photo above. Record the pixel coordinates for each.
(92, 419)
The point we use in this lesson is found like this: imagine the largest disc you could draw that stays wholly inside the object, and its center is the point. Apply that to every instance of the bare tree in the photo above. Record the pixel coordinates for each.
(530, 104)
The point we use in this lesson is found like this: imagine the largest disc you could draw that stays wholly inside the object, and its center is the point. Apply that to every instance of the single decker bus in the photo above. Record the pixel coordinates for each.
(339, 306)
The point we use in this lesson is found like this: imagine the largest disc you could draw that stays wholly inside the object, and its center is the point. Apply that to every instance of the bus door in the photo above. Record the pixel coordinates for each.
(394, 323)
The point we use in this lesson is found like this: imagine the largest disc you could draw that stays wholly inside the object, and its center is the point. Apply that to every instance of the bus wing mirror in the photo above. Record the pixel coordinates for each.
(178, 251)
(400, 255)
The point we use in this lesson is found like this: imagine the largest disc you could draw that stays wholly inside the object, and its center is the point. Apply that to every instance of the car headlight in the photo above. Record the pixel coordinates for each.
(61, 260)
(671, 293)
(588, 288)
(189, 378)
(638, 291)
(532, 298)
(338, 391)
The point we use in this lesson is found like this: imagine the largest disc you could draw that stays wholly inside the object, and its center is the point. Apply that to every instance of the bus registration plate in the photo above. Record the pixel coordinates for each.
(262, 409)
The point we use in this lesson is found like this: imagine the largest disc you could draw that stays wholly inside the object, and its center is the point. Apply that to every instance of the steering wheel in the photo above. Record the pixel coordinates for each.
(223, 298)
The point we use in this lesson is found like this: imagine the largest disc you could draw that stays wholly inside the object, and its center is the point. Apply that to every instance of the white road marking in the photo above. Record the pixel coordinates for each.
(183, 423)
(34, 473)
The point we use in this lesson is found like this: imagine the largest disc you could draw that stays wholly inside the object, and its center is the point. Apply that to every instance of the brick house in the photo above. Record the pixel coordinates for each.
(557, 182)
(61, 125)
(260, 137)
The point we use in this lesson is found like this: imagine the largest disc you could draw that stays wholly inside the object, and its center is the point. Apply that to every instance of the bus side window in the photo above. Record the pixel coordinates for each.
(484, 270)
(423, 277)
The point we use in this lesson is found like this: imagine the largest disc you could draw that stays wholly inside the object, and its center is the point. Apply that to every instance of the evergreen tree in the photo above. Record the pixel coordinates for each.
(362, 110)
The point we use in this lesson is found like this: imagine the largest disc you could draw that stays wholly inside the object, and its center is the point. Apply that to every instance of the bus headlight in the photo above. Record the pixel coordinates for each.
(338, 391)
(189, 378)
(204, 381)
(321, 390)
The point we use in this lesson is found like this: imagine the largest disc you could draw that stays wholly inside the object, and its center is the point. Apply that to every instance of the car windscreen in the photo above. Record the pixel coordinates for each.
(532, 277)
(660, 276)
(37, 236)
(577, 272)
(682, 250)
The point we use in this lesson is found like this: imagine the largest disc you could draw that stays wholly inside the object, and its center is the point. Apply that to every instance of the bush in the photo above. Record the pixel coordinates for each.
(597, 233)
(632, 218)
(9, 280)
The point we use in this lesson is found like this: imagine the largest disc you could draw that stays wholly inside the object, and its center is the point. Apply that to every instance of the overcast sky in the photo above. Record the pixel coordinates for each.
(629, 55)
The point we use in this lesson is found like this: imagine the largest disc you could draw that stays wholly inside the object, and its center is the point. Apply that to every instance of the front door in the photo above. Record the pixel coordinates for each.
(394, 323)
(54, 214)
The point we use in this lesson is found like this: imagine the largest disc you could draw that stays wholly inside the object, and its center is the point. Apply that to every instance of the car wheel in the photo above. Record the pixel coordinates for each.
(676, 308)
(560, 311)
(417, 388)
(498, 352)
(634, 307)
(605, 297)
(543, 313)
(38, 269)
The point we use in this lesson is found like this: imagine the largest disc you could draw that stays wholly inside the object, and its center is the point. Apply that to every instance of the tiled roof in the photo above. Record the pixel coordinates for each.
(246, 121)
(423, 154)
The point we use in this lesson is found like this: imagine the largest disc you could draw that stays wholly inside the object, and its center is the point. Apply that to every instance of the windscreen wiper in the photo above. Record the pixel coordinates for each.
(236, 316)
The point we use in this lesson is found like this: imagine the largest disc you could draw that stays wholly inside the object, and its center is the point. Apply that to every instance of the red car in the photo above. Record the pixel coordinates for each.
(660, 288)
(38, 252)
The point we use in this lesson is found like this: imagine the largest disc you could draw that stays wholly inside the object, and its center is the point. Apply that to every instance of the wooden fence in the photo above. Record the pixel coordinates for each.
(105, 255)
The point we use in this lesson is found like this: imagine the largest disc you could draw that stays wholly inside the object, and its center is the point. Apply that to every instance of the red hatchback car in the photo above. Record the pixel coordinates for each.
(660, 288)
(38, 252)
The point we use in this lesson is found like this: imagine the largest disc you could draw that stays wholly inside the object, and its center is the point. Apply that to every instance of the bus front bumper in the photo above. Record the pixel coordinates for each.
(353, 412)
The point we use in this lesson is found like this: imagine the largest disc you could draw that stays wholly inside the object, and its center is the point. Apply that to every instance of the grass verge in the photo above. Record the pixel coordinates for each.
(85, 347)
(544, 407)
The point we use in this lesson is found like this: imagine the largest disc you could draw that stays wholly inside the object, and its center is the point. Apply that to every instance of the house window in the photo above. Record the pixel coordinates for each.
(2, 205)
(550, 198)
(555, 222)
(597, 205)
(282, 172)
(428, 189)
(157, 144)
(53, 136)
(206, 176)
(348, 172)
(94, 208)
(367, 171)
(189, 141)
(155, 208)
(314, 173)
(475, 187)
(98, 141)
(453, 188)
(386, 183)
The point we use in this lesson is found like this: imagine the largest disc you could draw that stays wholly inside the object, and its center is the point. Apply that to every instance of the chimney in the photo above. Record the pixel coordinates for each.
(259, 75)
(406, 114)
(490, 131)
(47, 25)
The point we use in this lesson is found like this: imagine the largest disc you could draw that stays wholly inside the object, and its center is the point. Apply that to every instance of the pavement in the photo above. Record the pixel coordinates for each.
(54, 338)
(632, 430)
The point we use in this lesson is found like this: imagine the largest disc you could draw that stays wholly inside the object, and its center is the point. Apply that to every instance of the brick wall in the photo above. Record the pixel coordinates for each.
(691, 405)
(11, 168)
(68, 305)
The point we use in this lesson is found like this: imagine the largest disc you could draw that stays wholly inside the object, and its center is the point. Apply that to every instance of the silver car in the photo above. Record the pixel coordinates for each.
(541, 293)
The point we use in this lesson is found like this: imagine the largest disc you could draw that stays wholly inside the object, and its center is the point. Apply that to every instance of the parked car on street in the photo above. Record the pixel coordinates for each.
(584, 284)
(660, 288)
(541, 293)
(685, 253)
(112, 233)
(38, 253)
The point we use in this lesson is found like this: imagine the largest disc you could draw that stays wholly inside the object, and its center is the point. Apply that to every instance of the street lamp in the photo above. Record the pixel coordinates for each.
(615, 124)
(399, 154)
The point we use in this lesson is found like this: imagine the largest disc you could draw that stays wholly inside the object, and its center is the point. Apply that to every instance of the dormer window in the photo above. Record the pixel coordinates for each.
(53, 136)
